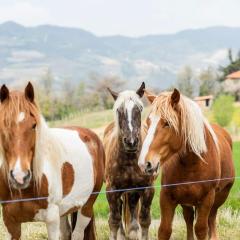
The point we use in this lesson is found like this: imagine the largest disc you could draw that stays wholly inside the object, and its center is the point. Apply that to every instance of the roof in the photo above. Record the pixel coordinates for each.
(234, 75)
(202, 98)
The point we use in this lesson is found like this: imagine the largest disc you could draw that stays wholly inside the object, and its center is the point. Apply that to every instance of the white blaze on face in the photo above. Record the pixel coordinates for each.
(18, 173)
(130, 106)
(149, 138)
(21, 117)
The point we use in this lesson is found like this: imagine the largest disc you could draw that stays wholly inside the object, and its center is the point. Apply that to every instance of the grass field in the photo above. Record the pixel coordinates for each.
(228, 219)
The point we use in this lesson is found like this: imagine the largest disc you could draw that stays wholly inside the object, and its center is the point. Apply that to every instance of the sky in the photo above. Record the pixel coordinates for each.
(123, 17)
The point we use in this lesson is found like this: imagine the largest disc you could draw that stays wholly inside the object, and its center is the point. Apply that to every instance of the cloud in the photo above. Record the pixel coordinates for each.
(24, 12)
(125, 17)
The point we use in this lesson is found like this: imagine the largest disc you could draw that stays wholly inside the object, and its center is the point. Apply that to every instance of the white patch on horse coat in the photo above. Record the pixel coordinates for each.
(129, 107)
(18, 173)
(82, 223)
(79, 157)
(21, 117)
(149, 138)
(61, 146)
(52, 219)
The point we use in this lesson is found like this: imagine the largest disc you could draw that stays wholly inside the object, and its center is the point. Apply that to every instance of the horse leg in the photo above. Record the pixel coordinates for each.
(220, 198)
(133, 230)
(65, 228)
(145, 215)
(188, 214)
(167, 213)
(203, 211)
(51, 217)
(115, 217)
(13, 227)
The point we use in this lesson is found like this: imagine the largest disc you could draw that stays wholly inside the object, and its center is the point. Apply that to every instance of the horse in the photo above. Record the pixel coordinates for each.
(122, 143)
(189, 150)
(63, 165)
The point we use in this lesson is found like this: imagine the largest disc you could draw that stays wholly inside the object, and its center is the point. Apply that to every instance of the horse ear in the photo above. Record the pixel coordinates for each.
(140, 91)
(4, 93)
(175, 97)
(114, 94)
(29, 92)
(150, 96)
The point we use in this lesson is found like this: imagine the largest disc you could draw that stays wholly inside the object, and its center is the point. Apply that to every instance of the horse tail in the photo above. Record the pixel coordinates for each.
(126, 216)
(90, 230)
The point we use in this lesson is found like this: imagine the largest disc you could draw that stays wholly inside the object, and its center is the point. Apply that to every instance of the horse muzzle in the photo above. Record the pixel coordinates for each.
(151, 169)
(20, 179)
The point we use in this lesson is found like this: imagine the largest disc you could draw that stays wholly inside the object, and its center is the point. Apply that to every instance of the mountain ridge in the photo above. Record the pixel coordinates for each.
(75, 54)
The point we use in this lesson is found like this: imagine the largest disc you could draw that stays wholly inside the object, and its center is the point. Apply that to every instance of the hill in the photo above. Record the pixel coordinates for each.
(75, 54)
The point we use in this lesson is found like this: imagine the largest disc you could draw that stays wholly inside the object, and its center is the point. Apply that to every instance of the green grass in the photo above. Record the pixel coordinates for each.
(233, 201)
(228, 218)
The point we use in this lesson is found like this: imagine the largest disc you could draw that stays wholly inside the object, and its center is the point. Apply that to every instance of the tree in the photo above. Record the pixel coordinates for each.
(99, 86)
(233, 66)
(208, 82)
(47, 82)
(223, 110)
(186, 81)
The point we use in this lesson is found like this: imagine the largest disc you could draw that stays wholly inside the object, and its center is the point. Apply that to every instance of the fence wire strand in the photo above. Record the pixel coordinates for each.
(127, 189)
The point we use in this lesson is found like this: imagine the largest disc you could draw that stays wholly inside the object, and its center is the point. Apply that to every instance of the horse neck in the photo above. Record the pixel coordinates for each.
(188, 157)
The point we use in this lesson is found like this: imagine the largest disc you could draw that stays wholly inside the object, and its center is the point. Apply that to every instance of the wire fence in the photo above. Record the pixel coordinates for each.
(128, 189)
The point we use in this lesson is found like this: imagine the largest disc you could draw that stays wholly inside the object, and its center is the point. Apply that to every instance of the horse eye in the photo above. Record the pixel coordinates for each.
(34, 126)
(166, 125)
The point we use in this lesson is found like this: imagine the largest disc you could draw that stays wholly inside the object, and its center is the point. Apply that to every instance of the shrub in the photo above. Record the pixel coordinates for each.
(223, 110)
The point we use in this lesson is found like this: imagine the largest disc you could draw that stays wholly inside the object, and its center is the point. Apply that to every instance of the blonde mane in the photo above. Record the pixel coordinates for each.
(124, 98)
(187, 120)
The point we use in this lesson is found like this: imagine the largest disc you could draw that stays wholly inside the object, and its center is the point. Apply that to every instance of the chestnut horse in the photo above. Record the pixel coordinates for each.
(189, 149)
(64, 165)
(122, 141)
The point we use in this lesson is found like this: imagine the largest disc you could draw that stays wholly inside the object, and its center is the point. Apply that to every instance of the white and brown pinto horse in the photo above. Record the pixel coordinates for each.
(189, 150)
(66, 165)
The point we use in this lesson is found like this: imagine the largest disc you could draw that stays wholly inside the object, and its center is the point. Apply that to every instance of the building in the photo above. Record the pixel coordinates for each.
(204, 102)
(232, 84)
(234, 76)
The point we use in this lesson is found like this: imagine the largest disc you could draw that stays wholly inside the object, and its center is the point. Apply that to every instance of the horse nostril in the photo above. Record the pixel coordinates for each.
(125, 140)
(11, 174)
(27, 176)
(135, 143)
(148, 166)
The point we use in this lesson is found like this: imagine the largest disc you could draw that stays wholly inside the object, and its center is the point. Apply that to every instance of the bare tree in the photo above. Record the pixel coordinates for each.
(98, 85)
(186, 81)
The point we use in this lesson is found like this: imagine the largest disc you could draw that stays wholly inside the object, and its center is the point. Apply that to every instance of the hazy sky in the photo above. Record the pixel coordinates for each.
(125, 17)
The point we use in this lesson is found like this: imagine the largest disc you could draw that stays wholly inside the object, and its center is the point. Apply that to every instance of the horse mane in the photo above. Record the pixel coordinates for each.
(123, 99)
(48, 148)
(187, 120)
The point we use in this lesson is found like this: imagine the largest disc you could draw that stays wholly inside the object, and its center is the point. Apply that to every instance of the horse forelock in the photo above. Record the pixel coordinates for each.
(187, 120)
(125, 99)
(15, 106)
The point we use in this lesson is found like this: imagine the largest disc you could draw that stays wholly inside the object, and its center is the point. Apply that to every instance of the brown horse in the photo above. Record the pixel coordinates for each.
(189, 149)
(122, 142)
(63, 165)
